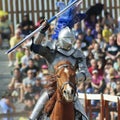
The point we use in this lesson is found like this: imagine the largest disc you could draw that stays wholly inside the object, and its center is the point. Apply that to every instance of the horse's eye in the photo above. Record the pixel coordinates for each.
(66, 66)
(58, 76)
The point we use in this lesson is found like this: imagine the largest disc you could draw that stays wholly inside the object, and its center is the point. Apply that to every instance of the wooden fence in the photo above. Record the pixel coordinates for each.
(47, 8)
(103, 108)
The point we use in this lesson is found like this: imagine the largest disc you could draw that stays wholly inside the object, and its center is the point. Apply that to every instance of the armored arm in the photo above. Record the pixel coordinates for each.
(39, 37)
(39, 106)
(82, 73)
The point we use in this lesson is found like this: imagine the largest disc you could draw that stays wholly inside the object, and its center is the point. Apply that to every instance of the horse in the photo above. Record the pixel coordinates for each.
(61, 104)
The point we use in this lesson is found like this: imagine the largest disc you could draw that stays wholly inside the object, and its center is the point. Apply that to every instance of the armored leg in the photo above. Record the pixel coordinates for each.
(39, 106)
(80, 109)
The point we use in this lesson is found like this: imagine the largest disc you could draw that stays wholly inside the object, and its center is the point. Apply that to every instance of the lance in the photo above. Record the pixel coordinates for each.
(39, 28)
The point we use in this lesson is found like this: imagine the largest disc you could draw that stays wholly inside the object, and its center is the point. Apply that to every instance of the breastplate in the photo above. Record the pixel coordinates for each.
(59, 57)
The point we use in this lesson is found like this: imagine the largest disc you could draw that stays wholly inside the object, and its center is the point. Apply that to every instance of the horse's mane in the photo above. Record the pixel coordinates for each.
(52, 85)
(50, 104)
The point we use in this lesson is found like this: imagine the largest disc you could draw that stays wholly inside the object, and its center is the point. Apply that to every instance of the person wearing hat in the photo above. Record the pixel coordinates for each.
(43, 73)
(43, 70)
(97, 81)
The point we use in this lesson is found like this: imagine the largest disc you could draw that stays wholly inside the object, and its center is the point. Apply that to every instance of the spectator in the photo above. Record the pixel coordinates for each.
(31, 66)
(78, 44)
(19, 54)
(112, 49)
(15, 85)
(76, 29)
(16, 75)
(100, 66)
(84, 44)
(118, 87)
(13, 41)
(24, 60)
(107, 19)
(97, 30)
(39, 60)
(6, 105)
(88, 36)
(9, 22)
(108, 66)
(118, 39)
(29, 104)
(43, 71)
(110, 74)
(97, 53)
(118, 22)
(117, 63)
(93, 66)
(89, 88)
(37, 87)
(112, 82)
(91, 46)
(99, 39)
(30, 79)
(106, 33)
(106, 90)
(5, 31)
(89, 58)
(27, 25)
(97, 81)
(28, 93)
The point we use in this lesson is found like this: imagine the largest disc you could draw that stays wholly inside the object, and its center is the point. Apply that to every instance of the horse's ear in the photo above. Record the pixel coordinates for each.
(57, 65)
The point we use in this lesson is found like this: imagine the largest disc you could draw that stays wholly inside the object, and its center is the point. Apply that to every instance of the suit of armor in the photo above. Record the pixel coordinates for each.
(53, 52)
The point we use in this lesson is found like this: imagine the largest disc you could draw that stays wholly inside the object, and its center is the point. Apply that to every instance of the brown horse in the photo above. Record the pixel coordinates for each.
(61, 104)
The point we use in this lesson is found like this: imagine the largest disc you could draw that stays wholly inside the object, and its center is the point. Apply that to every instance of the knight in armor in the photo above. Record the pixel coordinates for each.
(61, 48)
(54, 51)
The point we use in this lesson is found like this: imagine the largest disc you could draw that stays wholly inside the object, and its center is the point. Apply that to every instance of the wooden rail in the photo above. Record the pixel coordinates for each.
(103, 108)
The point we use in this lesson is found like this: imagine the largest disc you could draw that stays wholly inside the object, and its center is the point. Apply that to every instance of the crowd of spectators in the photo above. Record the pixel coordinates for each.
(100, 43)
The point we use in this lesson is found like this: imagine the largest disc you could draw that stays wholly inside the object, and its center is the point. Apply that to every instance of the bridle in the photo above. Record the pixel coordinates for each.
(67, 82)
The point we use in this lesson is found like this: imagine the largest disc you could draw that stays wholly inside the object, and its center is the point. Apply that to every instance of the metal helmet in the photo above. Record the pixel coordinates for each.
(66, 38)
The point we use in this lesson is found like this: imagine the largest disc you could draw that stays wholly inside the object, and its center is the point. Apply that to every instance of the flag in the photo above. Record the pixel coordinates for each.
(69, 18)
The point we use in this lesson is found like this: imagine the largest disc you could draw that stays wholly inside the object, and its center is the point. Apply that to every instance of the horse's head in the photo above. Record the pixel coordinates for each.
(66, 80)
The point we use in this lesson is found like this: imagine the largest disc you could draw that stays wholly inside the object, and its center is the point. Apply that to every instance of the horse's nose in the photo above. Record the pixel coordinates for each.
(68, 90)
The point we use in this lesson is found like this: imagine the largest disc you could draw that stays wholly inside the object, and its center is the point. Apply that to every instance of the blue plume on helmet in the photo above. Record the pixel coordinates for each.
(69, 18)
